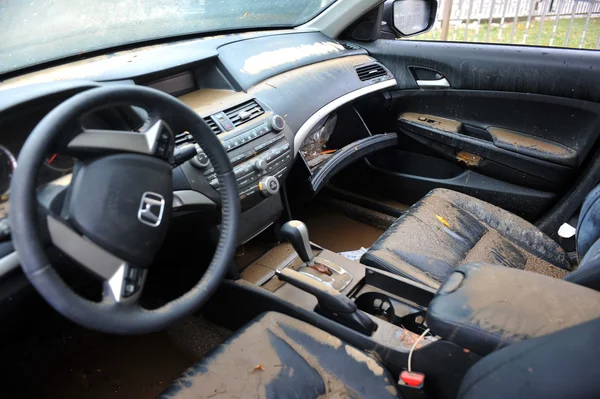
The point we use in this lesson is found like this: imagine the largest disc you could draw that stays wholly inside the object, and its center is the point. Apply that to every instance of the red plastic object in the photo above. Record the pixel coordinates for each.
(412, 379)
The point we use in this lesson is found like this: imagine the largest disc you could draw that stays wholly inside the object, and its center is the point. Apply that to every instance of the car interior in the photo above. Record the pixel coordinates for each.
(322, 211)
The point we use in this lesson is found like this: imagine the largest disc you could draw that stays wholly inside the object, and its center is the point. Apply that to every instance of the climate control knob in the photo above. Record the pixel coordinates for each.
(260, 165)
(277, 123)
(268, 186)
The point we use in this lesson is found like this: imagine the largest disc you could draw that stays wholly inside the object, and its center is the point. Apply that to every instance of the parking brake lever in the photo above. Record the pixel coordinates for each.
(332, 303)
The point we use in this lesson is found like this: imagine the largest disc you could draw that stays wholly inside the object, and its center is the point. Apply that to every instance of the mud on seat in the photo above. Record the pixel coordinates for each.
(276, 356)
(446, 229)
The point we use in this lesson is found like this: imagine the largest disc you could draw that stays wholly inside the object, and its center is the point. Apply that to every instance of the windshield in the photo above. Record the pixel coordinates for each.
(35, 31)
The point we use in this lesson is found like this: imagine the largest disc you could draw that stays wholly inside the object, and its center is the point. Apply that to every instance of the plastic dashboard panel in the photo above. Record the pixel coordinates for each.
(303, 92)
(252, 61)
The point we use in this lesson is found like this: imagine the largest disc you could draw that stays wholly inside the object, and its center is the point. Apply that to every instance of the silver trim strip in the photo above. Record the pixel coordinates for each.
(88, 254)
(9, 263)
(100, 139)
(307, 127)
(443, 82)
(190, 198)
(116, 283)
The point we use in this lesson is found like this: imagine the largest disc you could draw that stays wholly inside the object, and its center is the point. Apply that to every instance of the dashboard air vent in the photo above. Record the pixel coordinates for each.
(244, 112)
(371, 71)
(214, 127)
(183, 138)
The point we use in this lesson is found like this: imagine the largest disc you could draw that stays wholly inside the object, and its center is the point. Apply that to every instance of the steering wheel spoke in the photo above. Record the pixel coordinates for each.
(157, 140)
(125, 286)
(122, 281)
(91, 256)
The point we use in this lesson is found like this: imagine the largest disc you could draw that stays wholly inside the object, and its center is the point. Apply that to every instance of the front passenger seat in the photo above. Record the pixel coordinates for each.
(446, 229)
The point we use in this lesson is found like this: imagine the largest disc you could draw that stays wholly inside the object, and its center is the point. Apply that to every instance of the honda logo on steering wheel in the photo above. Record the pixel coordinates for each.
(151, 209)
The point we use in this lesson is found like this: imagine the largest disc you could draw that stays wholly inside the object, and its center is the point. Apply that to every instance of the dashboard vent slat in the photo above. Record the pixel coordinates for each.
(371, 71)
(183, 138)
(244, 112)
(214, 127)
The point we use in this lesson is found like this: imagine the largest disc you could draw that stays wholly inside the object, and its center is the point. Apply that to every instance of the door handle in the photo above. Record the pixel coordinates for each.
(439, 83)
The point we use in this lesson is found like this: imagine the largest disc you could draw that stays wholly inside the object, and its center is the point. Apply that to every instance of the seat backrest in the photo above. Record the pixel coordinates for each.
(588, 243)
(556, 366)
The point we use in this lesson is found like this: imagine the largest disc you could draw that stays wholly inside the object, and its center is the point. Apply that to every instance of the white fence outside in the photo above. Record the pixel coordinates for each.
(520, 22)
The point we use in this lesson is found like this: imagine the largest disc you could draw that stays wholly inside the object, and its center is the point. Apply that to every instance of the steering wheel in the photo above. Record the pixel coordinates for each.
(116, 209)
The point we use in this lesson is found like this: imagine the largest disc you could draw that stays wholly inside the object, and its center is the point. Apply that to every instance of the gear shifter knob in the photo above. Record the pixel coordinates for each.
(296, 233)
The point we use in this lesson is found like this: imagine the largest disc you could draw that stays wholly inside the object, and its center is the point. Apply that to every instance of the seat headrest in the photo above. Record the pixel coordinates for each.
(588, 227)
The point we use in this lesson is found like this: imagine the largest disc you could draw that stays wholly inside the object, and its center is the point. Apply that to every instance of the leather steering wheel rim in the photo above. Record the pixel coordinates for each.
(27, 236)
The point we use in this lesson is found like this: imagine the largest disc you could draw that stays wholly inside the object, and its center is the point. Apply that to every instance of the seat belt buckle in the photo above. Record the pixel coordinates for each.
(412, 384)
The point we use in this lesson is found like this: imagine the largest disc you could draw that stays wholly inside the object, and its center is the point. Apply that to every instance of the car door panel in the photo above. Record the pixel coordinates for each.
(474, 66)
(519, 122)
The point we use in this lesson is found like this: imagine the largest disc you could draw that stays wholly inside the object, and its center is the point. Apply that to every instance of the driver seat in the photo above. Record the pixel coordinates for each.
(277, 356)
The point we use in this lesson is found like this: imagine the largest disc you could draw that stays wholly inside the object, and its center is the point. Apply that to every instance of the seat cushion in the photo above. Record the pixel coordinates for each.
(446, 229)
(276, 356)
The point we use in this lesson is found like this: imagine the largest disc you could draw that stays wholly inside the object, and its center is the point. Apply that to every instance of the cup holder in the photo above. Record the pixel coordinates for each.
(378, 305)
(382, 307)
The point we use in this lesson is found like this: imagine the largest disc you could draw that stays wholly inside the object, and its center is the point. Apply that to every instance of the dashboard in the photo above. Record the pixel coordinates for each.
(262, 93)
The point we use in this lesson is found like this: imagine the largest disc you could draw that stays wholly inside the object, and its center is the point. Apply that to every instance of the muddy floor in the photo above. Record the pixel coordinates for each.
(337, 232)
(61, 360)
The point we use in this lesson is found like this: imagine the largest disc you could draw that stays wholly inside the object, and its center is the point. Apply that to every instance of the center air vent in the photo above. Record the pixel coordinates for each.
(244, 112)
(213, 126)
(183, 138)
(371, 71)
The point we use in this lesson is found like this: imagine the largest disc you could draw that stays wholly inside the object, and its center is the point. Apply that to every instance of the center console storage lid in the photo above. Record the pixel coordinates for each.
(484, 307)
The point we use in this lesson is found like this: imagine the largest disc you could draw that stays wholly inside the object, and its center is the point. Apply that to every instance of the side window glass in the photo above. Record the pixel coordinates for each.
(552, 23)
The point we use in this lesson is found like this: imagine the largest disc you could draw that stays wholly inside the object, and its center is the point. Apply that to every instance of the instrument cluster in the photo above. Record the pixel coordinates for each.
(55, 166)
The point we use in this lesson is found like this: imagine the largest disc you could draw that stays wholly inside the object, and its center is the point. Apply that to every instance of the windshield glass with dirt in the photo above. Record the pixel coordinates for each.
(35, 31)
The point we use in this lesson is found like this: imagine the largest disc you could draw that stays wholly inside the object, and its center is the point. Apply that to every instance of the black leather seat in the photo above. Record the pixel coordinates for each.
(446, 229)
(276, 356)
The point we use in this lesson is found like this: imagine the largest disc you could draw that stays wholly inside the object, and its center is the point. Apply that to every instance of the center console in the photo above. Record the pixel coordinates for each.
(257, 142)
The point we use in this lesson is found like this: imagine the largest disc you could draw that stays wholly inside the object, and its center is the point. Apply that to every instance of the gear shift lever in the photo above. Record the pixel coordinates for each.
(296, 233)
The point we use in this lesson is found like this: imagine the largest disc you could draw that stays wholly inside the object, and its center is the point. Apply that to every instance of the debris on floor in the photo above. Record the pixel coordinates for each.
(196, 336)
(258, 367)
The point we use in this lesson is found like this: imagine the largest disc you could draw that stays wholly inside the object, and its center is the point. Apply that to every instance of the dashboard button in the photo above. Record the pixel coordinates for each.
(247, 194)
(244, 181)
(222, 120)
(268, 143)
(164, 137)
(202, 159)
(279, 162)
(263, 129)
(237, 158)
(260, 165)
(268, 186)
(243, 170)
(277, 123)
(279, 175)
